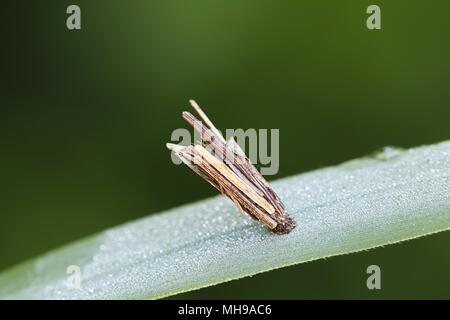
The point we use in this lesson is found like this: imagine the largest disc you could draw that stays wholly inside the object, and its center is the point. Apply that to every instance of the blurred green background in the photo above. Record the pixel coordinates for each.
(85, 116)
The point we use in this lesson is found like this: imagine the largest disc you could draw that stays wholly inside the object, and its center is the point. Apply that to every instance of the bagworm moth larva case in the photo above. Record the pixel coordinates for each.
(224, 165)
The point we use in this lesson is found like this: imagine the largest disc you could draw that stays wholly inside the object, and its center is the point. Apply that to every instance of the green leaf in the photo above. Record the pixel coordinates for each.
(378, 200)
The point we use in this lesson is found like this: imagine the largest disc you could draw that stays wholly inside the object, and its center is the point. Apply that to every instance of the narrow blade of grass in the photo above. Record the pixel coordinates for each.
(361, 204)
